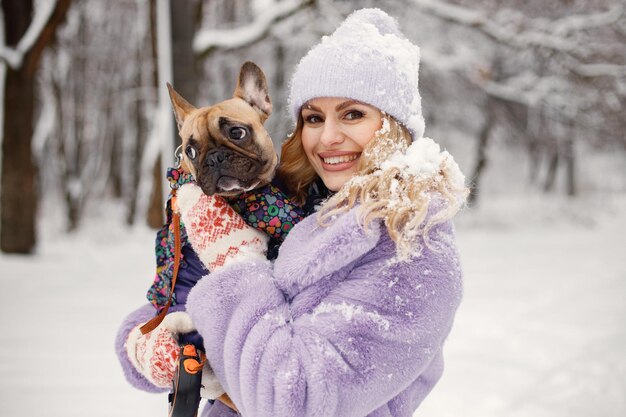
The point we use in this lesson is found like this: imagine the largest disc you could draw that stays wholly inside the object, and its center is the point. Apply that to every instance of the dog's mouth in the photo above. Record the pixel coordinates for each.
(227, 184)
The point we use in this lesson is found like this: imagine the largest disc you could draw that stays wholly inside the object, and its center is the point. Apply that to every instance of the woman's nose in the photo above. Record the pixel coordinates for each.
(331, 133)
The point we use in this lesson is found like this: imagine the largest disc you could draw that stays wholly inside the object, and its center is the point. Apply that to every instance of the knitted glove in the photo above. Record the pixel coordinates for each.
(155, 355)
(216, 232)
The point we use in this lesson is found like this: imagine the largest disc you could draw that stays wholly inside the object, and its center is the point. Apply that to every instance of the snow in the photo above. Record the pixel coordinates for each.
(63, 306)
(540, 331)
(269, 13)
(350, 312)
(500, 28)
(423, 159)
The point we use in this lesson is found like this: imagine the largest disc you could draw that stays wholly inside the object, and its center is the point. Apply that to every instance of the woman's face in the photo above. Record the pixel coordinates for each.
(334, 133)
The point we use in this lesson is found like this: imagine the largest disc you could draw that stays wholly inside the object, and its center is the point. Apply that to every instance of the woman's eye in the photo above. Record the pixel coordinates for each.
(237, 133)
(354, 115)
(313, 118)
(191, 152)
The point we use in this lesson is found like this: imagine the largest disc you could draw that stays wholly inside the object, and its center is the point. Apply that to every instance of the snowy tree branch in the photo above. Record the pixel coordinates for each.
(11, 57)
(546, 34)
(573, 56)
(576, 23)
(243, 36)
(14, 57)
(600, 70)
(515, 94)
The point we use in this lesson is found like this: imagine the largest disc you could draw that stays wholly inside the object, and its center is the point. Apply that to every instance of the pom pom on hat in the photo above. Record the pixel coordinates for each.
(367, 59)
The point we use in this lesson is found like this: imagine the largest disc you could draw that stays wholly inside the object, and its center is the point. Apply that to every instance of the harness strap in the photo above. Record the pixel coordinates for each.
(156, 320)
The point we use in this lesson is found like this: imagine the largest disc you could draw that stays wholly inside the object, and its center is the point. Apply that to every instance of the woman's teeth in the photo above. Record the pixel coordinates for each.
(340, 159)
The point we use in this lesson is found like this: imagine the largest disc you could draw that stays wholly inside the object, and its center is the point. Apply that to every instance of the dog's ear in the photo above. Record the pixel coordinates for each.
(181, 107)
(252, 88)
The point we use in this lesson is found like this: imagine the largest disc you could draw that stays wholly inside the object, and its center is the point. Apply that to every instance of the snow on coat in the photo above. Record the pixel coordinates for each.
(334, 327)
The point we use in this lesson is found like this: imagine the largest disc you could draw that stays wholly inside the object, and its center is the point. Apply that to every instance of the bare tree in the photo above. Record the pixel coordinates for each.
(563, 66)
(26, 33)
(101, 98)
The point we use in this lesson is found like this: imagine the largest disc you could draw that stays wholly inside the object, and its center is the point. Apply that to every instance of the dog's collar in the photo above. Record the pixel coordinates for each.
(177, 178)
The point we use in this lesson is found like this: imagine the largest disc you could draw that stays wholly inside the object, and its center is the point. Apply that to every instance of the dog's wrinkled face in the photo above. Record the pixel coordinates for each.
(225, 146)
(227, 149)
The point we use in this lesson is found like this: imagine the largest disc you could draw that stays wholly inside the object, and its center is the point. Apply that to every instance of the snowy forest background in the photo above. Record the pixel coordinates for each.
(529, 96)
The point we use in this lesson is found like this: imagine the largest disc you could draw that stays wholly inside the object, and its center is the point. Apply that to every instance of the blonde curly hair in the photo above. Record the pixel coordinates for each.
(396, 194)
(409, 201)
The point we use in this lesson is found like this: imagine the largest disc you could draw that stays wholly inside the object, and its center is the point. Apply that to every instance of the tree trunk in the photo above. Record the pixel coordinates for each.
(156, 208)
(184, 16)
(570, 168)
(18, 170)
(183, 58)
(535, 160)
(552, 168)
(481, 155)
(155, 215)
(66, 162)
(135, 166)
(18, 198)
(19, 202)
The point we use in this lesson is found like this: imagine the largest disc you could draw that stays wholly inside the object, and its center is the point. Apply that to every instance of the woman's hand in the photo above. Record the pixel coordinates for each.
(217, 233)
(155, 355)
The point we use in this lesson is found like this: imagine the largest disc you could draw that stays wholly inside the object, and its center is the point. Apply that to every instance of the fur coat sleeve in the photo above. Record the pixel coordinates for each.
(335, 327)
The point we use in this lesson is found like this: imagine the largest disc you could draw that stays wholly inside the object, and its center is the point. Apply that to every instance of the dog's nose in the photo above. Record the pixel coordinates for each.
(215, 159)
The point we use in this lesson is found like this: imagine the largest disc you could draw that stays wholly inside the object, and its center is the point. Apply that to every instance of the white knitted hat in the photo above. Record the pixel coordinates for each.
(366, 59)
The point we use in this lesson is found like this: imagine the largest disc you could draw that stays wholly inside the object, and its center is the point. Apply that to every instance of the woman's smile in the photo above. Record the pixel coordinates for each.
(339, 160)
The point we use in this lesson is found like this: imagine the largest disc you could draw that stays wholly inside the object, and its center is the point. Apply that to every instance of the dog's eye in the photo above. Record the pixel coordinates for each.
(237, 133)
(191, 152)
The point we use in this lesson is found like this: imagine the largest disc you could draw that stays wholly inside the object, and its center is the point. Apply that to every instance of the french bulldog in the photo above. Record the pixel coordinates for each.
(225, 146)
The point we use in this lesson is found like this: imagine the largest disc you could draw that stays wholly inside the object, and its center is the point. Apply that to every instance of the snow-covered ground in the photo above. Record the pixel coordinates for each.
(541, 331)
(542, 328)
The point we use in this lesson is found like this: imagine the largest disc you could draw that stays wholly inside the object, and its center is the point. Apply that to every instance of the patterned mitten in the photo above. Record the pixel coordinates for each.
(155, 354)
(216, 232)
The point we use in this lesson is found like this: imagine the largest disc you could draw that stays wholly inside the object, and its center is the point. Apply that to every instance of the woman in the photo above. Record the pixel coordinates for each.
(350, 319)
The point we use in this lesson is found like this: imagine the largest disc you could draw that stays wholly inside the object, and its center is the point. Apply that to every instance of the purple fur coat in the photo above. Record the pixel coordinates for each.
(333, 327)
